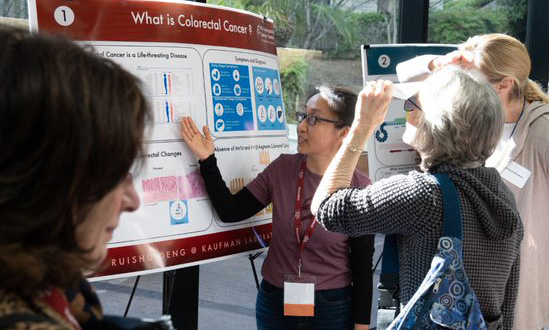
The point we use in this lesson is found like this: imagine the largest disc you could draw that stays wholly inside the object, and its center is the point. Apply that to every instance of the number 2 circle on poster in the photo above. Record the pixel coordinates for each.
(219, 125)
(384, 61)
(272, 114)
(236, 75)
(219, 109)
(262, 113)
(259, 87)
(63, 15)
(178, 210)
(240, 109)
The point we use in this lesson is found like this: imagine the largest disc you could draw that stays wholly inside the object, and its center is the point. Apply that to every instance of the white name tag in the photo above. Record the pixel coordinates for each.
(516, 174)
(299, 297)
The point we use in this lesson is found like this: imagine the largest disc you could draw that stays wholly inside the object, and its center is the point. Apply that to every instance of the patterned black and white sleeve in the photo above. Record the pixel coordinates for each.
(398, 204)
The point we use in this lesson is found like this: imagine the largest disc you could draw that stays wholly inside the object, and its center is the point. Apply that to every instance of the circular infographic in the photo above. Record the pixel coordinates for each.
(236, 75)
(216, 74)
(237, 90)
(259, 87)
(276, 87)
(262, 113)
(279, 114)
(240, 109)
(272, 113)
(178, 210)
(219, 109)
(217, 89)
(384, 61)
(220, 125)
(63, 15)
(269, 85)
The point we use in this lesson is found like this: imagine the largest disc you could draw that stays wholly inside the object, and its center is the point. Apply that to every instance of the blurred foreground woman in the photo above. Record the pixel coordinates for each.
(71, 127)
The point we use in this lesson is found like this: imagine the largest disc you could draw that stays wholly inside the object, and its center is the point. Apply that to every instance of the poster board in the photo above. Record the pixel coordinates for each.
(387, 154)
(215, 64)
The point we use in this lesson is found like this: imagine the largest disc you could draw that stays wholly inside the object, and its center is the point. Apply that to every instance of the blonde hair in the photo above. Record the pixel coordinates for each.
(498, 56)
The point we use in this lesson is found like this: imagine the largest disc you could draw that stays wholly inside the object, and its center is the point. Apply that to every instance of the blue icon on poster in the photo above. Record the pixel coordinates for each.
(268, 99)
(232, 97)
(179, 212)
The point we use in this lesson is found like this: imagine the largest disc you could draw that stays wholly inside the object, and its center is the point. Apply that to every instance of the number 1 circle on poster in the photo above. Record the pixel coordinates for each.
(384, 61)
(63, 15)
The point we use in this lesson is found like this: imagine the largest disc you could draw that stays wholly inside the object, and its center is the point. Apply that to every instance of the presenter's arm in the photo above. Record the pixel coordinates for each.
(361, 255)
(229, 207)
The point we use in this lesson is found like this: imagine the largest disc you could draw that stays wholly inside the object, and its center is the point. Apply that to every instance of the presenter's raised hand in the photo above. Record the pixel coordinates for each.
(202, 145)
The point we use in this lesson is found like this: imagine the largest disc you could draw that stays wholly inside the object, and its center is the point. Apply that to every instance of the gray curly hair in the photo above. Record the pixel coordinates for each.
(462, 119)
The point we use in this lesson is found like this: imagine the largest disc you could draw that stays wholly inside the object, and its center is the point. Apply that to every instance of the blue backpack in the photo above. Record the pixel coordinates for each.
(445, 299)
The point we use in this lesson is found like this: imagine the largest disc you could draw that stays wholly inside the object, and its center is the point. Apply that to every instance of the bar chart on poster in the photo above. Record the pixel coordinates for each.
(216, 65)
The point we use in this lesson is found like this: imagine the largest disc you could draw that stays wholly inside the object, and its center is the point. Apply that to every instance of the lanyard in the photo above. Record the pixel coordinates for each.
(301, 242)
(57, 301)
(520, 116)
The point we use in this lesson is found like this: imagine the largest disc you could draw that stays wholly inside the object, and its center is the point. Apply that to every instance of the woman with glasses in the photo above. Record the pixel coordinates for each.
(340, 267)
(523, 148)
(458, 127)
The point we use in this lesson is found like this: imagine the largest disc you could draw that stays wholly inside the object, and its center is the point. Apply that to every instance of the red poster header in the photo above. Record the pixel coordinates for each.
(159, 255)
(151, 21)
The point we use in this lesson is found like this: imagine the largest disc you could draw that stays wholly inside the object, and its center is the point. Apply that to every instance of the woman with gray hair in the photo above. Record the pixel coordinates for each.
(459, 121)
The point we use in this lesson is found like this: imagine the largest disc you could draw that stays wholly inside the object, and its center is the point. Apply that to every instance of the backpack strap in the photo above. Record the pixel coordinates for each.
(452, 226)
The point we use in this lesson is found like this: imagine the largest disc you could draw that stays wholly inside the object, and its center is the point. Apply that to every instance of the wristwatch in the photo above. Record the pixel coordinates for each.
(352, 148)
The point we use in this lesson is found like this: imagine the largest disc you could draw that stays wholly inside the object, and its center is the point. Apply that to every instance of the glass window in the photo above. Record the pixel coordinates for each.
(14, 8)
(454, 21)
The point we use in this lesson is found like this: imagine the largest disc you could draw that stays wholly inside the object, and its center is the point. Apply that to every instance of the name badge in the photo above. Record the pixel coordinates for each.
(299, 296)
(516, 174)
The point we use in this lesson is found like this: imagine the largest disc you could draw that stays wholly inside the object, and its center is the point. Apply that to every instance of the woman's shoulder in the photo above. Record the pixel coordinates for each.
(15, 313)
(360, 179)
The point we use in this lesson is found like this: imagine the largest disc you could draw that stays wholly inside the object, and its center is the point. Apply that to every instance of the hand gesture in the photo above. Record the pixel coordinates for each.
(462, 58)
(373, 102)
(201, 145)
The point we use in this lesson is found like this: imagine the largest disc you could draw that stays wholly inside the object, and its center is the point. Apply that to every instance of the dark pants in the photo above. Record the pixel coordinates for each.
(332, 310)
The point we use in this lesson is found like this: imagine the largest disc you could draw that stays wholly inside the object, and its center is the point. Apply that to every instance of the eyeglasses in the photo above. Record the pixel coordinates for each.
(411, 103)
(312, 119)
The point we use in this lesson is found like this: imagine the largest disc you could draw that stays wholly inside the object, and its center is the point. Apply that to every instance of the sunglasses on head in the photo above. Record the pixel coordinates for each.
(411, 104)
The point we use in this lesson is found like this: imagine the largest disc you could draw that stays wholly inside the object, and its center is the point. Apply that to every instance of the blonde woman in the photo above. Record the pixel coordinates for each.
(521, 157)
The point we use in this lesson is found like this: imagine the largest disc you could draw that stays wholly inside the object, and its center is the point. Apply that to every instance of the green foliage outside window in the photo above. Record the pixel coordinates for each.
(293, 77)
(461, 19)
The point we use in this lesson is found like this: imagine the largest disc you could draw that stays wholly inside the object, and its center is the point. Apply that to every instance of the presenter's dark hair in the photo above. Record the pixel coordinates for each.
(71, 127)
(341, 100)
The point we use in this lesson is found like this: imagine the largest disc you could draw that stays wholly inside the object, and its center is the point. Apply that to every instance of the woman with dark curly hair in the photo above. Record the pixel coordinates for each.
(72, 125)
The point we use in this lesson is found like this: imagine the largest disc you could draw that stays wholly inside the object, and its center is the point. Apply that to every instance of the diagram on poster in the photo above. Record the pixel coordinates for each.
(246, 94)
(219, 67)
(387, 153)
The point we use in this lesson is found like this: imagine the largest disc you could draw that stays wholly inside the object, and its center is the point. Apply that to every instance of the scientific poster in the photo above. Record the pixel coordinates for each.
(387, 154)
(215, 64)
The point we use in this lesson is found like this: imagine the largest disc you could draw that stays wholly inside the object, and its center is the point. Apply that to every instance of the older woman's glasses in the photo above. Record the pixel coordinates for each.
(411, 103)
(312, 119)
